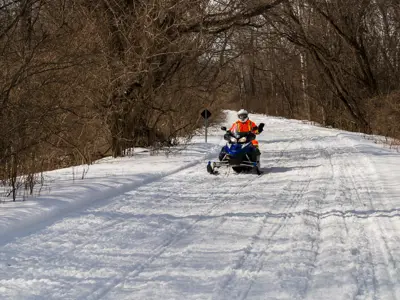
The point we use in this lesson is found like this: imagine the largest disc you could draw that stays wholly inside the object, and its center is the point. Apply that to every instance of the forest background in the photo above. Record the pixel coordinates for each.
(83, 79)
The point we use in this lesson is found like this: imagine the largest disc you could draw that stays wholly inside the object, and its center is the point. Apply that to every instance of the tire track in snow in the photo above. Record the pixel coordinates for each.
(221, 220)
(364, 188)
(258, 262)
(365, 273)
(249, 184)
(291, 211)
(302, 256)
(167, 243)
(313, 213)
(343, 232)
(345, 188)
(164, 246)
(354, 232)
(250, 263)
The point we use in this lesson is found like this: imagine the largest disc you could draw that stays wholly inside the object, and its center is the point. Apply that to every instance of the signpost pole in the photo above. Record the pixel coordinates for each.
(206, 114)
(206, 121)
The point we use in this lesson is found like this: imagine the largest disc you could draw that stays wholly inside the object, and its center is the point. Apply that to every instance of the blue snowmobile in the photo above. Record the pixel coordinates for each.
(238, 153)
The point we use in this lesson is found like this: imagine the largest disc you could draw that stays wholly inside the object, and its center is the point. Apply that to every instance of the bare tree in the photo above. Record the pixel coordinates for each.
(39, 67)
(145, 45)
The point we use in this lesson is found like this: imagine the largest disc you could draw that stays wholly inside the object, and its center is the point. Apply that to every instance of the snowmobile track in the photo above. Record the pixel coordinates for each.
(377, 241)
(253, 257)
(161, 249)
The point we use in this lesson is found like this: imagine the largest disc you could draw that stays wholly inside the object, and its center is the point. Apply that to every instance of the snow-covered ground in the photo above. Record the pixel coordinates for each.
(322, 222)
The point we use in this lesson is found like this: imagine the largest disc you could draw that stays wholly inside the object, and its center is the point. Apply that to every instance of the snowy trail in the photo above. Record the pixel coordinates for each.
(323, 222)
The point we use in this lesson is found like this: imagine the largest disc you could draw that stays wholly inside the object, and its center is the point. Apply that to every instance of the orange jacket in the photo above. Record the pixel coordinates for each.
(244, 127)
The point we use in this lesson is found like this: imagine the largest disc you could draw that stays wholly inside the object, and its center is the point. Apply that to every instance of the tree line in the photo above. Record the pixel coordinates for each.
(82, 79)
(334, 62)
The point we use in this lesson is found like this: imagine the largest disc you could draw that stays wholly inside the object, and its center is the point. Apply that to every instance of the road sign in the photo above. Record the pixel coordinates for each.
(206, 114)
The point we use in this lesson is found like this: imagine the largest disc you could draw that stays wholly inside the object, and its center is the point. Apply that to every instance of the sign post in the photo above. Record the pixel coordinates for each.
(206, 114)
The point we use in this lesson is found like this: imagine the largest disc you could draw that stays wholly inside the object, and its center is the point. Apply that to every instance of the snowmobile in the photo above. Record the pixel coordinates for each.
(238, 153)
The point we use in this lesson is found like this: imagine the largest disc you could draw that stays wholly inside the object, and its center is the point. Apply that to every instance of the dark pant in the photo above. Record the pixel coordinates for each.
(222, 154)
(255, 155)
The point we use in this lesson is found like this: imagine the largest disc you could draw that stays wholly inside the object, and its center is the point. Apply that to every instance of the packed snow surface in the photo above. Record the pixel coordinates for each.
(322, 222)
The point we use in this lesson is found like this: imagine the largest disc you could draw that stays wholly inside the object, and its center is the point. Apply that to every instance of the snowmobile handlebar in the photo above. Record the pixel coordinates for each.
(224, 128)
(260, 128)
(240, 138)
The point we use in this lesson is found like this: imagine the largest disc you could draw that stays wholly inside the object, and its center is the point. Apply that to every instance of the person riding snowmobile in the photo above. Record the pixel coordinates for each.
(244, 124)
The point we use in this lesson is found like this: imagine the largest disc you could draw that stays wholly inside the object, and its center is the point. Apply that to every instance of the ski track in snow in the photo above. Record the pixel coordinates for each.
(250, 261)
(377, 238)
(316, 225)
(159, 250)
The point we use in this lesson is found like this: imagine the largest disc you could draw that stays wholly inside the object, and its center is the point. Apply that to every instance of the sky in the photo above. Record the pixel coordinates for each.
(321, 222)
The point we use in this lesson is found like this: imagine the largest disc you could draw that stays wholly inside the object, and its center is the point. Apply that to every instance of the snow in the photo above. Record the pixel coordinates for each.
(322, 222)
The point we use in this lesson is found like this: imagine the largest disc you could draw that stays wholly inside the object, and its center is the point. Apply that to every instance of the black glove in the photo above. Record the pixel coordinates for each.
(261, 127)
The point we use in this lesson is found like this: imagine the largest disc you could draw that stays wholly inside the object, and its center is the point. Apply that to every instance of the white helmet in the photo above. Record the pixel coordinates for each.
(243, 115)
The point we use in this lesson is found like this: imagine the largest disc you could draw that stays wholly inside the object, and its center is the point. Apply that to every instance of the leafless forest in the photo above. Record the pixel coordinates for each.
(81, 79)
